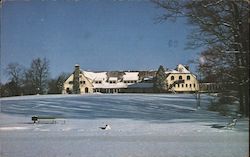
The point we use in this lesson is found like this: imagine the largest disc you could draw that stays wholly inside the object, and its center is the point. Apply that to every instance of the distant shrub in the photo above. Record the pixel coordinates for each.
(226, 105)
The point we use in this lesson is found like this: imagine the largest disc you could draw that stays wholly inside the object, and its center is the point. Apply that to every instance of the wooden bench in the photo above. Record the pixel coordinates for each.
(46, 119)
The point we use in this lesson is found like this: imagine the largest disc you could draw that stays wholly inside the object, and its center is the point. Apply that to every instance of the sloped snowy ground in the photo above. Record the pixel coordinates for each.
(143, 125)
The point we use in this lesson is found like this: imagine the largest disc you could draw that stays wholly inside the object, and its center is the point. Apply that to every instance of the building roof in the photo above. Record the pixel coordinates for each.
(180, 70)
(141, 85)
(131, 76)
(113, 79)
(107, 85)
(97, 76)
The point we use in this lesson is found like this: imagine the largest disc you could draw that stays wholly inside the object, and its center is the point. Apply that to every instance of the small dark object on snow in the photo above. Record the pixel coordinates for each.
(232, 124)
(218, 126)
(34, 119)
(107, 127)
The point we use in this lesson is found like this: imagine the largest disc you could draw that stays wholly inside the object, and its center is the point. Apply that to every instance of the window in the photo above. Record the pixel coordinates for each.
(182, 85)
(188, 77)
(180, 77)
(190, 85)
(86, 90)
(82, 82)
(178, 85)
(172, 77)
(70, 82)
(186, 85)
(194, 85)
(68, 91)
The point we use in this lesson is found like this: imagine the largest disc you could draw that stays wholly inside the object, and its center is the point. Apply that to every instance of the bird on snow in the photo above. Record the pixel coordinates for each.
(106, 127)
(232, 124)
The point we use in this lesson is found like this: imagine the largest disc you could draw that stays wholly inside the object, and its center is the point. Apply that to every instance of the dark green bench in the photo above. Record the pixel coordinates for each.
(44, 119)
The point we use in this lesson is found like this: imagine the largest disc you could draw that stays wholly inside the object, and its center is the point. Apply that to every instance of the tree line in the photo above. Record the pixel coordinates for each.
(221, 28)
(32, 80)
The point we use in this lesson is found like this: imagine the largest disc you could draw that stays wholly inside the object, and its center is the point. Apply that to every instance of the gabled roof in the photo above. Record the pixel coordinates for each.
(113, 79)
(180, 70)
(131, 76)
(97, 76)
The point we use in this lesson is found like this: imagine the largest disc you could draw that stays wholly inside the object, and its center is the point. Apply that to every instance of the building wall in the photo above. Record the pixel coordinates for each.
(189, 85)
(85, 85)
(210, 87)
(68, 86)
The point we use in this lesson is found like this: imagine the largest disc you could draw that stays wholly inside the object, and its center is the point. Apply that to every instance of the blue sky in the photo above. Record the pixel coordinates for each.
(98, 35)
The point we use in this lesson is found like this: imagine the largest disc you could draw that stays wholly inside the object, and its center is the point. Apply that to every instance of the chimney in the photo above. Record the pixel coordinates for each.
(77, 67)
(76, 81)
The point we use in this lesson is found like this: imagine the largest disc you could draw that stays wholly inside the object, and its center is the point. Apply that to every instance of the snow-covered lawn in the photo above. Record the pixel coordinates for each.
(142, 125)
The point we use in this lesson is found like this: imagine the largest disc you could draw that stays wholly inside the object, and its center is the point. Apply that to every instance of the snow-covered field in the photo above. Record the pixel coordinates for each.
(142, 125)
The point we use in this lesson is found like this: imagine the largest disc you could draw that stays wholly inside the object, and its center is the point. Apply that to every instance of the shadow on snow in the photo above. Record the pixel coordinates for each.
(149, 107)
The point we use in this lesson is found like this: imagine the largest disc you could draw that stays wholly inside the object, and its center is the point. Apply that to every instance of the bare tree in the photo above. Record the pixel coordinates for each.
(37, 76)
(15, 73)
(222, 26)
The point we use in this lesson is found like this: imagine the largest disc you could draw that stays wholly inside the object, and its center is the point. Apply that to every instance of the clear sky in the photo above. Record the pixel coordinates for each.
(98, 35)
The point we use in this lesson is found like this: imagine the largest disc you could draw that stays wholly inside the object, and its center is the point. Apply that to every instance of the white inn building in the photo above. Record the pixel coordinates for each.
(81, 82)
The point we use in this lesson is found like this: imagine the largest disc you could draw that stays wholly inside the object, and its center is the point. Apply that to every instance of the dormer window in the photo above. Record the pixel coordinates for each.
(180, 77)
(172, 77)
(188, 77)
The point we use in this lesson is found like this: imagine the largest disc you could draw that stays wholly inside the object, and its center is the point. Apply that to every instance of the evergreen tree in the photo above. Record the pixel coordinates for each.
(55, 86)
(160, 80)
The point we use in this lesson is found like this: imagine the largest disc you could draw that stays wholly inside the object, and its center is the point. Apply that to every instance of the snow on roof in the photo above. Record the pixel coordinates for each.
(172, 71)
(131, 76)
(180, 69)
(113, 79)
(148, 78)
(95, 76)
(110, 86)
